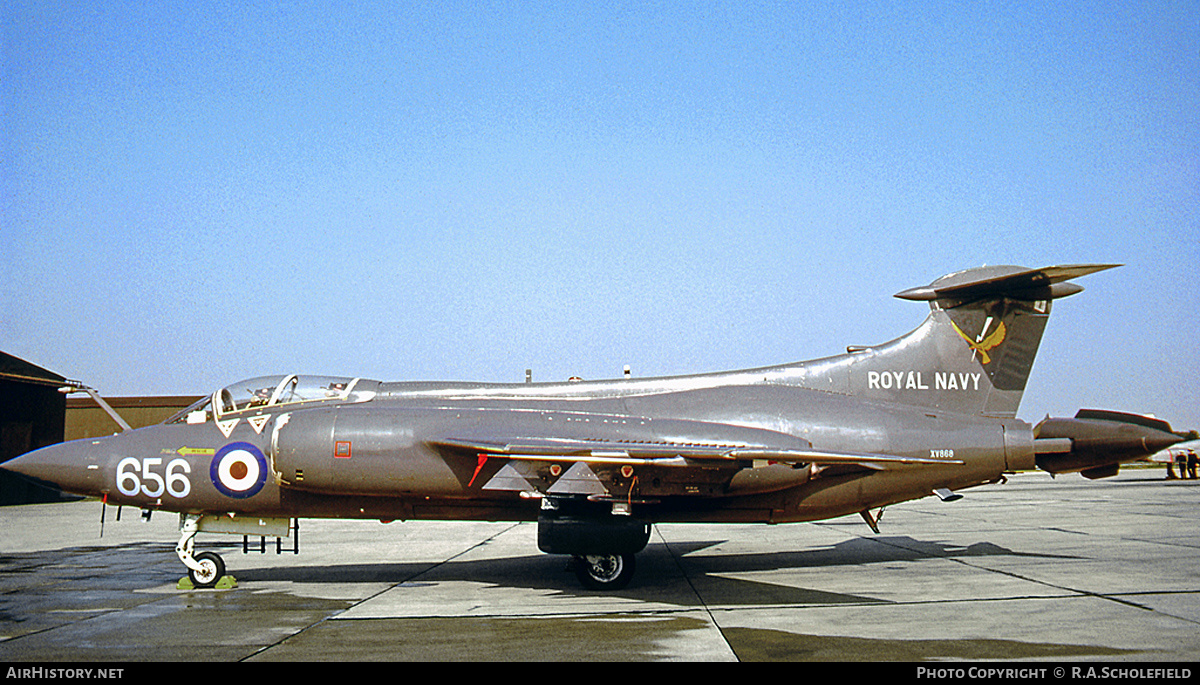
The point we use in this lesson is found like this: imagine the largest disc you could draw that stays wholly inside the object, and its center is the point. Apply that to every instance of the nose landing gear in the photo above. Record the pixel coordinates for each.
(204, 569)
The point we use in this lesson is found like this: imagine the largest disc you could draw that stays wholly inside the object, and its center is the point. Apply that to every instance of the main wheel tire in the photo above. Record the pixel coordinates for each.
(604, 571)
(212, 571)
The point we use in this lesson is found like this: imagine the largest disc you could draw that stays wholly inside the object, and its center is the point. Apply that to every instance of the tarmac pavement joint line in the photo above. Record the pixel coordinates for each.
(1023, 577)
(376, 594)
(1018, 576)
(699, 598)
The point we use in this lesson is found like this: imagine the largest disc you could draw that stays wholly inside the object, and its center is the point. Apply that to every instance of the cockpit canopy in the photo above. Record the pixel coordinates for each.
(265, 392)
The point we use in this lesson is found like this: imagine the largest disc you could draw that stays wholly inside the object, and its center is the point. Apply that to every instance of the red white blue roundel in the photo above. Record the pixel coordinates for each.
(239, 470)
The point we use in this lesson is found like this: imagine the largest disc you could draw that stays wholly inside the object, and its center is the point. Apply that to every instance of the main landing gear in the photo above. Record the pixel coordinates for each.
(604, 571)
(602, 544)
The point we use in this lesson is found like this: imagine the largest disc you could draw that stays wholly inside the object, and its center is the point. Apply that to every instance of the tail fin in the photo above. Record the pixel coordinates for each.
(974, 352)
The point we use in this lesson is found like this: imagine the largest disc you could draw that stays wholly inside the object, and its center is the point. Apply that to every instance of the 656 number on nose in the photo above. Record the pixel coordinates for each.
(136, 476)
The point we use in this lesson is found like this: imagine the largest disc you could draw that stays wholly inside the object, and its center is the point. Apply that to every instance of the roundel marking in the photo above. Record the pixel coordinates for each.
(238, 470)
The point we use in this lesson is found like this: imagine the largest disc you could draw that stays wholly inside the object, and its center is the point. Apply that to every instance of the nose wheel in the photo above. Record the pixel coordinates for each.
(604, 571)
(212, 568)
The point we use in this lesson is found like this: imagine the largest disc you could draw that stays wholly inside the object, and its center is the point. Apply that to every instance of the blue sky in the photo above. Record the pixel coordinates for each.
(195, 193)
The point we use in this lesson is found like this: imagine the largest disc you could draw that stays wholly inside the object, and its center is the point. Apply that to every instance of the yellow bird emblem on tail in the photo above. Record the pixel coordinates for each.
(982, 344)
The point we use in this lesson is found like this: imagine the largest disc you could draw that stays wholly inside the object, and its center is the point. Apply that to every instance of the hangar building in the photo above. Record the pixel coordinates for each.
(34, 414)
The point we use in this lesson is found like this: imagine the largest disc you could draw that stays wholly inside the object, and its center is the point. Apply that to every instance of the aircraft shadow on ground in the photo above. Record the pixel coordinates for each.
(672, 573)
(858, 551)
(661, 570)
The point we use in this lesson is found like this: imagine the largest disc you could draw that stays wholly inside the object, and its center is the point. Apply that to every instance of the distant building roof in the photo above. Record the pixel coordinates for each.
(148, 402)
(21, 371)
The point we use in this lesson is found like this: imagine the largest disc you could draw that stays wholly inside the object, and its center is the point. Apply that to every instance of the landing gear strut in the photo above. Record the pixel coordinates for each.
(205, 568)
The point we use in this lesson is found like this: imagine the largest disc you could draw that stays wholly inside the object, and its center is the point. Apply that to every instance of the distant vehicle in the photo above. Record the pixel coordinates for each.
(596, 463)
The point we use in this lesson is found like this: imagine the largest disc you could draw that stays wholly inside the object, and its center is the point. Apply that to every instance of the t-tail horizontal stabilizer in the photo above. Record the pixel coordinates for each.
(1096, 442)
(1047, 283)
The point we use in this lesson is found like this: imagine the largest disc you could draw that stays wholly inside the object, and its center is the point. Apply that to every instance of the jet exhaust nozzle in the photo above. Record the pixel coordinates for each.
(1096, 442)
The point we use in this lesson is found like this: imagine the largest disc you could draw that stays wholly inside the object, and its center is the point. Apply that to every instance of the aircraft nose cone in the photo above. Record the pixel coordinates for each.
(64, 465)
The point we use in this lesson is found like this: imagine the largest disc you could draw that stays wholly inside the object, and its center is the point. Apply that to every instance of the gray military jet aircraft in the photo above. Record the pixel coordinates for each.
(597, 463)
